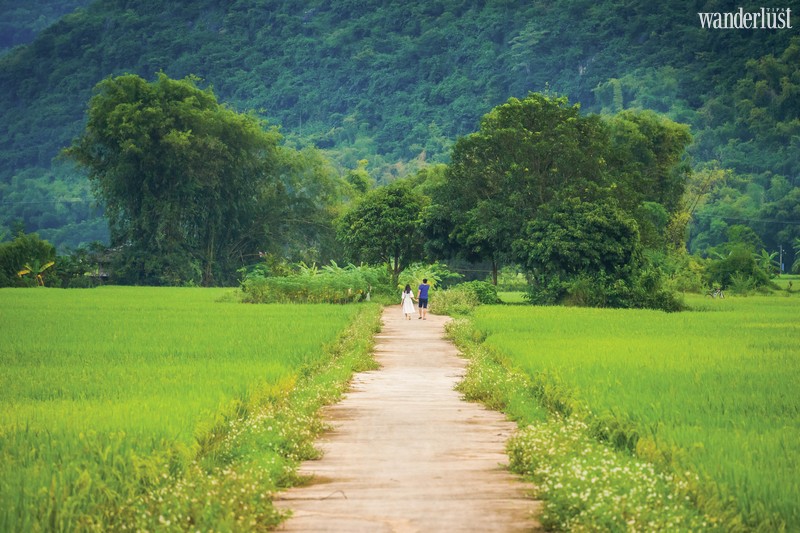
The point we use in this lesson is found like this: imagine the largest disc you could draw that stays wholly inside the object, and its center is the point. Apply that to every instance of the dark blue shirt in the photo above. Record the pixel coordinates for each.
(423, 291)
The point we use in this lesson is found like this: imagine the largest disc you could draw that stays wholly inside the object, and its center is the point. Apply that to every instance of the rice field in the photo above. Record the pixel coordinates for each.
(103, 390)
(714, 391)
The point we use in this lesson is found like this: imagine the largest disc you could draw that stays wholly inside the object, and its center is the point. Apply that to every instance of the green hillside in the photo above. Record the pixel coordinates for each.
(22, 21)
(397, 82)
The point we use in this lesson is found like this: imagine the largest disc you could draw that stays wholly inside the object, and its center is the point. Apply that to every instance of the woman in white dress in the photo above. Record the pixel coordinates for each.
(407, 299)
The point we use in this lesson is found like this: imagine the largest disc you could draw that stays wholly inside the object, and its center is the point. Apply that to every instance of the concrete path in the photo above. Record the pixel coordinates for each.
(406, 454)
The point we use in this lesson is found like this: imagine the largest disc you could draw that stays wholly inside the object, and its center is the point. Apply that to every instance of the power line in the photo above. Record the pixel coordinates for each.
(50, 202)
(745, 219)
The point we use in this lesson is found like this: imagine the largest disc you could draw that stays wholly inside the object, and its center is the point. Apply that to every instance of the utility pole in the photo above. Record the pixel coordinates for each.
(780, 261)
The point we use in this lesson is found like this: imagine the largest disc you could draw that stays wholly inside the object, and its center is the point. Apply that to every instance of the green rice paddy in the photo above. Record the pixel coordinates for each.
(714, 391)
(104, 393)
(96, 382)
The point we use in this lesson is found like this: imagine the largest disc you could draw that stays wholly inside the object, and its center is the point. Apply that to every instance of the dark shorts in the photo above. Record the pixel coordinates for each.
(423, 302)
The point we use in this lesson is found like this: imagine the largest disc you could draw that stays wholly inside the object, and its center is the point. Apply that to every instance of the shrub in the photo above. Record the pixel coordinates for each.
(25, 249)
(436, 273)
(463, 298)
(331, 284)
(644, 290)
(543, 290)
(739, 264)
(485, 292)
(453, 302)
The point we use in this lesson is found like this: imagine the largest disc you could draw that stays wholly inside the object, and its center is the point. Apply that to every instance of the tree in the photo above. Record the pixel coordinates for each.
(649, 172)
(181, 177)
(570, 239)
(527, 153)
(385, 227)
(301, 227)
(589, 253)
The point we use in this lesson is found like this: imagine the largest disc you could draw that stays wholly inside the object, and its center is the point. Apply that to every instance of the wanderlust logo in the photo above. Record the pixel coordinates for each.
(766, 18)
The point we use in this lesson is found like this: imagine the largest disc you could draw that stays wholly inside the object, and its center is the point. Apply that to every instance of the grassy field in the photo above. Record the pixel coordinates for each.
(714, 390)
(105, 393)
(508, 297)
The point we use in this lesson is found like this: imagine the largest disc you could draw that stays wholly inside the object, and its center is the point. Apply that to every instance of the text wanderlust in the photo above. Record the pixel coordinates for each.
(766, 18)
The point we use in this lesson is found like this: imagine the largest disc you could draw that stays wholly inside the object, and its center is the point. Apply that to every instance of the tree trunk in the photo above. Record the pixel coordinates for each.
(207, 272)
(395, 270)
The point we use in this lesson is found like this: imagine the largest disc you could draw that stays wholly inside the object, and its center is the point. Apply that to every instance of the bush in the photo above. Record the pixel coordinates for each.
(436, 273)
(739, 264)
(645, 290)
(331, 284)
(682, 272)
(742, 285)
(453, 302)
(484, 292)
(543, 290)
(25, 249)
(585, 292)
(463, 298)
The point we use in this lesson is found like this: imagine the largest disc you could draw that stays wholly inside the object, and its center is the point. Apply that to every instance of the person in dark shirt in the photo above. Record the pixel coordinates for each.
(422, 298)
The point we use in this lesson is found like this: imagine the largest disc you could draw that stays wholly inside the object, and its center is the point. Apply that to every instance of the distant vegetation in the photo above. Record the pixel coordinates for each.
(397, 83)
(21, 22)
(591, 209)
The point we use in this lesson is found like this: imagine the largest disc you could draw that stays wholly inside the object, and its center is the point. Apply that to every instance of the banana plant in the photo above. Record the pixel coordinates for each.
(36, 269)
(767, 261)
(796, 246)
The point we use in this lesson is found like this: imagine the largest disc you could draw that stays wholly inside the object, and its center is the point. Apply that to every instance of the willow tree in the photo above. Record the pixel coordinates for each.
(181, 177)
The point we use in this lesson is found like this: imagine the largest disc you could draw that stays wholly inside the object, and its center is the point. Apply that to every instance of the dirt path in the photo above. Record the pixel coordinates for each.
(406, 453)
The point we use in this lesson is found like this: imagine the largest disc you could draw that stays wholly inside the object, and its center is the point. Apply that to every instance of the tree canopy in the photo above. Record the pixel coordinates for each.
(385, 227)
(397, 82)
(525, 153)
(540, 149)
(189, 185)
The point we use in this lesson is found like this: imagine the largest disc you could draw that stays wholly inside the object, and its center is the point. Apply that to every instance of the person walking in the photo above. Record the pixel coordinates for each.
(422, 298)
(407, 299)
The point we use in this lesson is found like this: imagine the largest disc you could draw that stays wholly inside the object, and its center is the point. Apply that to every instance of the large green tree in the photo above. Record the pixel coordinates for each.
(526, 153)
(648, 169)
(589, 253)
(385, 226)
(570, 239)
(182, 177)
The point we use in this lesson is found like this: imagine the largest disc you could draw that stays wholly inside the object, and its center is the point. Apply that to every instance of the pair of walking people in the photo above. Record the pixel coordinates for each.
(407, 300)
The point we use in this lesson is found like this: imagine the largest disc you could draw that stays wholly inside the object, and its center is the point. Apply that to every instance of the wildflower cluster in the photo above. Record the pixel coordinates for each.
(587, 486)
(488, 380)
(235, 498)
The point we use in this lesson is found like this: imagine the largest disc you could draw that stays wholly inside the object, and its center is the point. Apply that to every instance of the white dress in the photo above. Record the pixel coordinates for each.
(408, 303)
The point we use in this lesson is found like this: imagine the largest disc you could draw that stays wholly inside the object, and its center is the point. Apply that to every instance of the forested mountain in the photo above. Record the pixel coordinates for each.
(397, 82)
(22, 21)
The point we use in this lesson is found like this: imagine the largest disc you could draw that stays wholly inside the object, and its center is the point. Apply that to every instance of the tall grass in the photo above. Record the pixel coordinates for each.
(713, 391)
(107, 393)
